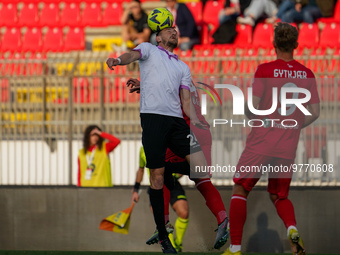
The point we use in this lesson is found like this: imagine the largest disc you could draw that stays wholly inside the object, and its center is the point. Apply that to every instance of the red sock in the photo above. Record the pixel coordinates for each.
(166, 195)
(237, 218)
(212, 199)
(285, 210)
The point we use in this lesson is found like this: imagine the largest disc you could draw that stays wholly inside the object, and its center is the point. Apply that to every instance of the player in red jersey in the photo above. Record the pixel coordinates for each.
(176, 164)
(275, 143)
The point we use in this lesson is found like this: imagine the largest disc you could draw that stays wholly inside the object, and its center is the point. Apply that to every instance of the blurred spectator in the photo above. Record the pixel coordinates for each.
(257, 9)
(135, 24)
(326, 7)
(233, 9)
(185, 23)
(300, 11)
(94, 168)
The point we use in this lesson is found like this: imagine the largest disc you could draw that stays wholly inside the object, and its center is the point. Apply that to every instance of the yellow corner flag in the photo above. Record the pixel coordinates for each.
(118, 222)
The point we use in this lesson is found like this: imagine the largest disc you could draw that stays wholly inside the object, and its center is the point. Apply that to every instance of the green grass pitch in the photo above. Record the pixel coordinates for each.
(118, 253)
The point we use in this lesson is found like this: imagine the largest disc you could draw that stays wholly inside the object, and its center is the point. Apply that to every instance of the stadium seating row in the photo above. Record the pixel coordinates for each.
(87, 90)
(204, 60)
(51, 15)
(34, 41)
(92, 14)
(206, 20)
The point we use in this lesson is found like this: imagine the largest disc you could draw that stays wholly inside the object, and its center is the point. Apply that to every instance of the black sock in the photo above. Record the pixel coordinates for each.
(157, 203)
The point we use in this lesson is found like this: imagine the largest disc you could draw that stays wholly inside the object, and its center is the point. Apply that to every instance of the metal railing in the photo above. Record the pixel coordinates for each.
(46, 103)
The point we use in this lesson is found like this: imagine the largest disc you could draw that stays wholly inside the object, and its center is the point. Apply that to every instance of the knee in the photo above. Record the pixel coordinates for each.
(156, 181)
(182, 209)
(183, 213)
(240, 190)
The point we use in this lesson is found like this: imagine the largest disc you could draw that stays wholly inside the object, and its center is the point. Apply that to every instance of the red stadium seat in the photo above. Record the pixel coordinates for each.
(29, 15)
(228, 65)
(196, 10)
(11, 40)
(50, 15)
(81, 91)
(211, 11)
(308, 35)
(10, 1)
(32, 40)
(5, 90)
(34, 67)
(75, 39)
(11, 67)
(112, 14)
(92, 15)
(53, 40)
(330, 36)
(263, 36)
(249, 64)
(244, 35)
(70, 15)
(8, 14)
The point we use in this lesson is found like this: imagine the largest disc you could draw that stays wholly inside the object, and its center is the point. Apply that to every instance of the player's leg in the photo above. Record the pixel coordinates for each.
(154, 138)
(185, 144)
(157, 199)
(278, 188)
(244, 182)
(180, 205)
(154, 238)
(182, 210)
(212, 198)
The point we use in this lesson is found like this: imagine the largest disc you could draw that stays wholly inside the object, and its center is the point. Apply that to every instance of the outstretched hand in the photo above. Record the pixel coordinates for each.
(112, 62)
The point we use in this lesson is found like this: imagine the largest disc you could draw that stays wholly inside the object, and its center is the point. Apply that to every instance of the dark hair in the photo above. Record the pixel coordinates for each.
(285, 37)
(138, 1)
(86, 140)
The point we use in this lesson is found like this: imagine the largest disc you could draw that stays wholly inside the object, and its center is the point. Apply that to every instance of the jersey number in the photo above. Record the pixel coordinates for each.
(193, 140)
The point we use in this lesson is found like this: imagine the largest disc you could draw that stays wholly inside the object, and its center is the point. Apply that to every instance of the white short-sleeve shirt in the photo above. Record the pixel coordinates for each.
(162, 75)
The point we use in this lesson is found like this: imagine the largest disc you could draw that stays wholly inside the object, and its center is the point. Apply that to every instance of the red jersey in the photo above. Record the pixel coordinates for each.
(275, 139)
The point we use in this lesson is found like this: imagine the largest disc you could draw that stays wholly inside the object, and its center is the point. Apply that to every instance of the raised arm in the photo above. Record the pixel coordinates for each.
(124, 59)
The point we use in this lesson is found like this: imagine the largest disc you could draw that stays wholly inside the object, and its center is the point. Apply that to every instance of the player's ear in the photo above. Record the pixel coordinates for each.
(274, 44)
(158, 39)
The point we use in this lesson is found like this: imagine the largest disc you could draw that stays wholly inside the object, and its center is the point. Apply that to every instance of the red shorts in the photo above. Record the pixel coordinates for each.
(204, 139)
(251, 166)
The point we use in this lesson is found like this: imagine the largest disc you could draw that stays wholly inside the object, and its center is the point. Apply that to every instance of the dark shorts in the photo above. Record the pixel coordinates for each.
(176, 194)
(161, 132)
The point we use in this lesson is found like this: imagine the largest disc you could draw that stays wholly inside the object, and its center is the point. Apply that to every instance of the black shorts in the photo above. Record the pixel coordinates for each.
(161, 132)
(177, 193)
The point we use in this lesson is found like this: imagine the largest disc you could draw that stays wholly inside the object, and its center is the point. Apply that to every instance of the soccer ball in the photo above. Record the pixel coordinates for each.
(159, 19)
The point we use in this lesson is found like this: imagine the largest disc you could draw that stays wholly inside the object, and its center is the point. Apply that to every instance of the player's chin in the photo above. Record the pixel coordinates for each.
(173, 43)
